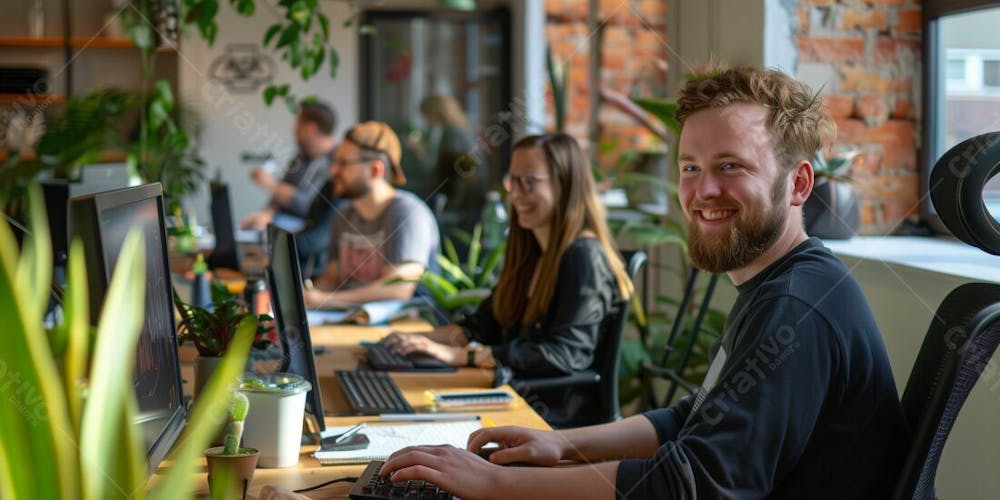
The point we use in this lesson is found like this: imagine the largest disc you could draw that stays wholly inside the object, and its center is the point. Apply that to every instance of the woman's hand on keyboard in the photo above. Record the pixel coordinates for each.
(454, 470)
(404, 343)
(520, 445)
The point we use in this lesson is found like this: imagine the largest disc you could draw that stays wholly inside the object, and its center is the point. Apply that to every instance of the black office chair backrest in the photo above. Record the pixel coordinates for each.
(602, 374)
(961, 340)
(606, 357)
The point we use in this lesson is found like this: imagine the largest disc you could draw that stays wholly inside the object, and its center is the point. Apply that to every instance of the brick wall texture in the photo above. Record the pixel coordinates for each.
(633, 61)
(869, 51)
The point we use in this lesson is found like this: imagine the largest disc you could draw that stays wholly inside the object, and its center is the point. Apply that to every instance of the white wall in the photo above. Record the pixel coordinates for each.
(904, 300)
(232, 123)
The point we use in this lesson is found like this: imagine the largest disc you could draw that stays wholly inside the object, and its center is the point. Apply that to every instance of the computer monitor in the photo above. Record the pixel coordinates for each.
(56, 195)
(101, 221)
(100, 177)
(224, 254)
(284, 279)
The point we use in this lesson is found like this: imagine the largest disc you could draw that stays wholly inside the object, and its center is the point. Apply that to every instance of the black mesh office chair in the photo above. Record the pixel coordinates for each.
(965, 331)
(603, 372)
(959, 343)
(674, 374)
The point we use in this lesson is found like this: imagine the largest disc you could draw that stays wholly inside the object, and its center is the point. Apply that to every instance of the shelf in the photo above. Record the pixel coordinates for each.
(75, 42)
(33, 99)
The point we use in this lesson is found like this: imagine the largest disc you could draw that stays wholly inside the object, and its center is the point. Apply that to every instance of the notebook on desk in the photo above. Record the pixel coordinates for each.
(368, 314)
(387, 439)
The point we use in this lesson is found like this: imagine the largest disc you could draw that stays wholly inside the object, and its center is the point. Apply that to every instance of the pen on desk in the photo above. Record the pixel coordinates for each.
(348, 433)
(431, 417)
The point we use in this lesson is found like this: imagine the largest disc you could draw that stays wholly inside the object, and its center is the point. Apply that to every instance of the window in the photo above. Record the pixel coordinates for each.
(442, 81)
(956, 70)
(962, 81)
(991, 73)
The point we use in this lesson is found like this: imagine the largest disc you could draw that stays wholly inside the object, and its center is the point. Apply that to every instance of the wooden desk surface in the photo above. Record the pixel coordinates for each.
(343, 352)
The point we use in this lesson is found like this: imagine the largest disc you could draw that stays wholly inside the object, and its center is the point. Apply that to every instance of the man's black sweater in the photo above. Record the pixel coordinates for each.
(802, 405)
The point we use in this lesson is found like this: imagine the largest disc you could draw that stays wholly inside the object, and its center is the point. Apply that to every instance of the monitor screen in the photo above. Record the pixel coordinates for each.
(102, 221)
(56, 194)
(285, 282)
(224, 254)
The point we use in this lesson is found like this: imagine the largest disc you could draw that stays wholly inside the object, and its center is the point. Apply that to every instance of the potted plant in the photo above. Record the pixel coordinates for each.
(68, 423)
(230, 467)
(460, 286)
(212, 329)
(833, 210)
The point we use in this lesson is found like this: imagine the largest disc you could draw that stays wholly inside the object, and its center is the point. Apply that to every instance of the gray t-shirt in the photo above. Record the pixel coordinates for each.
(405, 231)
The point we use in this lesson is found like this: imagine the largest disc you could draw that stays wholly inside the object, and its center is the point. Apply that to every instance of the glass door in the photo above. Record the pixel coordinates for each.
(442, 81)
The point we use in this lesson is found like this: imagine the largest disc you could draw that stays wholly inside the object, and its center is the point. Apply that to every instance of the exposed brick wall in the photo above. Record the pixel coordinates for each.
(868, 53)
(633, 61)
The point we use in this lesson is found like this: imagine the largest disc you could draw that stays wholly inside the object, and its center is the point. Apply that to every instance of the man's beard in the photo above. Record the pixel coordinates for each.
(750, 235)
(353, 190)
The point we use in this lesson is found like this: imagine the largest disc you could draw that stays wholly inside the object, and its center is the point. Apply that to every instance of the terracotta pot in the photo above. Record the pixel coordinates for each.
(233, 473)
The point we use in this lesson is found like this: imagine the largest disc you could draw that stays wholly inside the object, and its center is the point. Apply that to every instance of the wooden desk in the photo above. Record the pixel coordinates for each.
(343, 352)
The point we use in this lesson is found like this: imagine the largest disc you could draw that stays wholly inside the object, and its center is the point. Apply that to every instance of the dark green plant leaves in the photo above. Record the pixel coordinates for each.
(246, 8)
(663, 109)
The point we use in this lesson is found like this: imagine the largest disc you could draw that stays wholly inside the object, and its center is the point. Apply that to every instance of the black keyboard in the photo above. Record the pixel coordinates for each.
(382, 358)
(372, 487)
(372, 393)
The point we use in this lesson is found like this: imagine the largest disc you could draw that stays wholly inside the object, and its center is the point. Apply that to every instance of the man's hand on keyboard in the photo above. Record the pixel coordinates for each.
(405, 343)
(520, 445)
(449, 468)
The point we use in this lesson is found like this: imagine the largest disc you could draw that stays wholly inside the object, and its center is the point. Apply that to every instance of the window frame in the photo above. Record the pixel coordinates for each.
(934, 81)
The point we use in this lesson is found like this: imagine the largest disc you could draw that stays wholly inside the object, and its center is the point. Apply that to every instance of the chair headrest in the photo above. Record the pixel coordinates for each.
(956, 187)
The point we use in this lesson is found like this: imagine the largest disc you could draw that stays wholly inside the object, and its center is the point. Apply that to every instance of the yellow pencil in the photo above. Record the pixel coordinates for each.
(487, 422)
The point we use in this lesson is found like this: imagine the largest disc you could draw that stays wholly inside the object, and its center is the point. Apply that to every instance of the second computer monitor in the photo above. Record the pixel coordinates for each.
(224, 254)
(285, 282)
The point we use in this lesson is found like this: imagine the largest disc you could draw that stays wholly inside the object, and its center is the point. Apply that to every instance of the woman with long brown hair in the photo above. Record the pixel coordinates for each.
(562, 276)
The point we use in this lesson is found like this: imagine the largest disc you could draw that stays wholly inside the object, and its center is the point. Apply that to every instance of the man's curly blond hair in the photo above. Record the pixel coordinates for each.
(798, 122)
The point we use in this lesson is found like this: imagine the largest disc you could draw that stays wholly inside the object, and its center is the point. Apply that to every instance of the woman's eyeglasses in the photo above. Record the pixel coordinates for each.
(525, 182)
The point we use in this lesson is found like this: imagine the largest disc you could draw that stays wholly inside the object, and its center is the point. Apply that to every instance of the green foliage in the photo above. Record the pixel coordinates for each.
(635, 352)
(558, 71)
(835, 167)
(241, 406)
(237, 418)
(663, 109)
(68, 420)
(163, 152)
(463, 285)
(300, 35)
(211, 331)
(75, 135)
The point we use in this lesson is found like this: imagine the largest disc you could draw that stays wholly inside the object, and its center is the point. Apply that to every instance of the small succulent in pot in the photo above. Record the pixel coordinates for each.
(230, 467)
